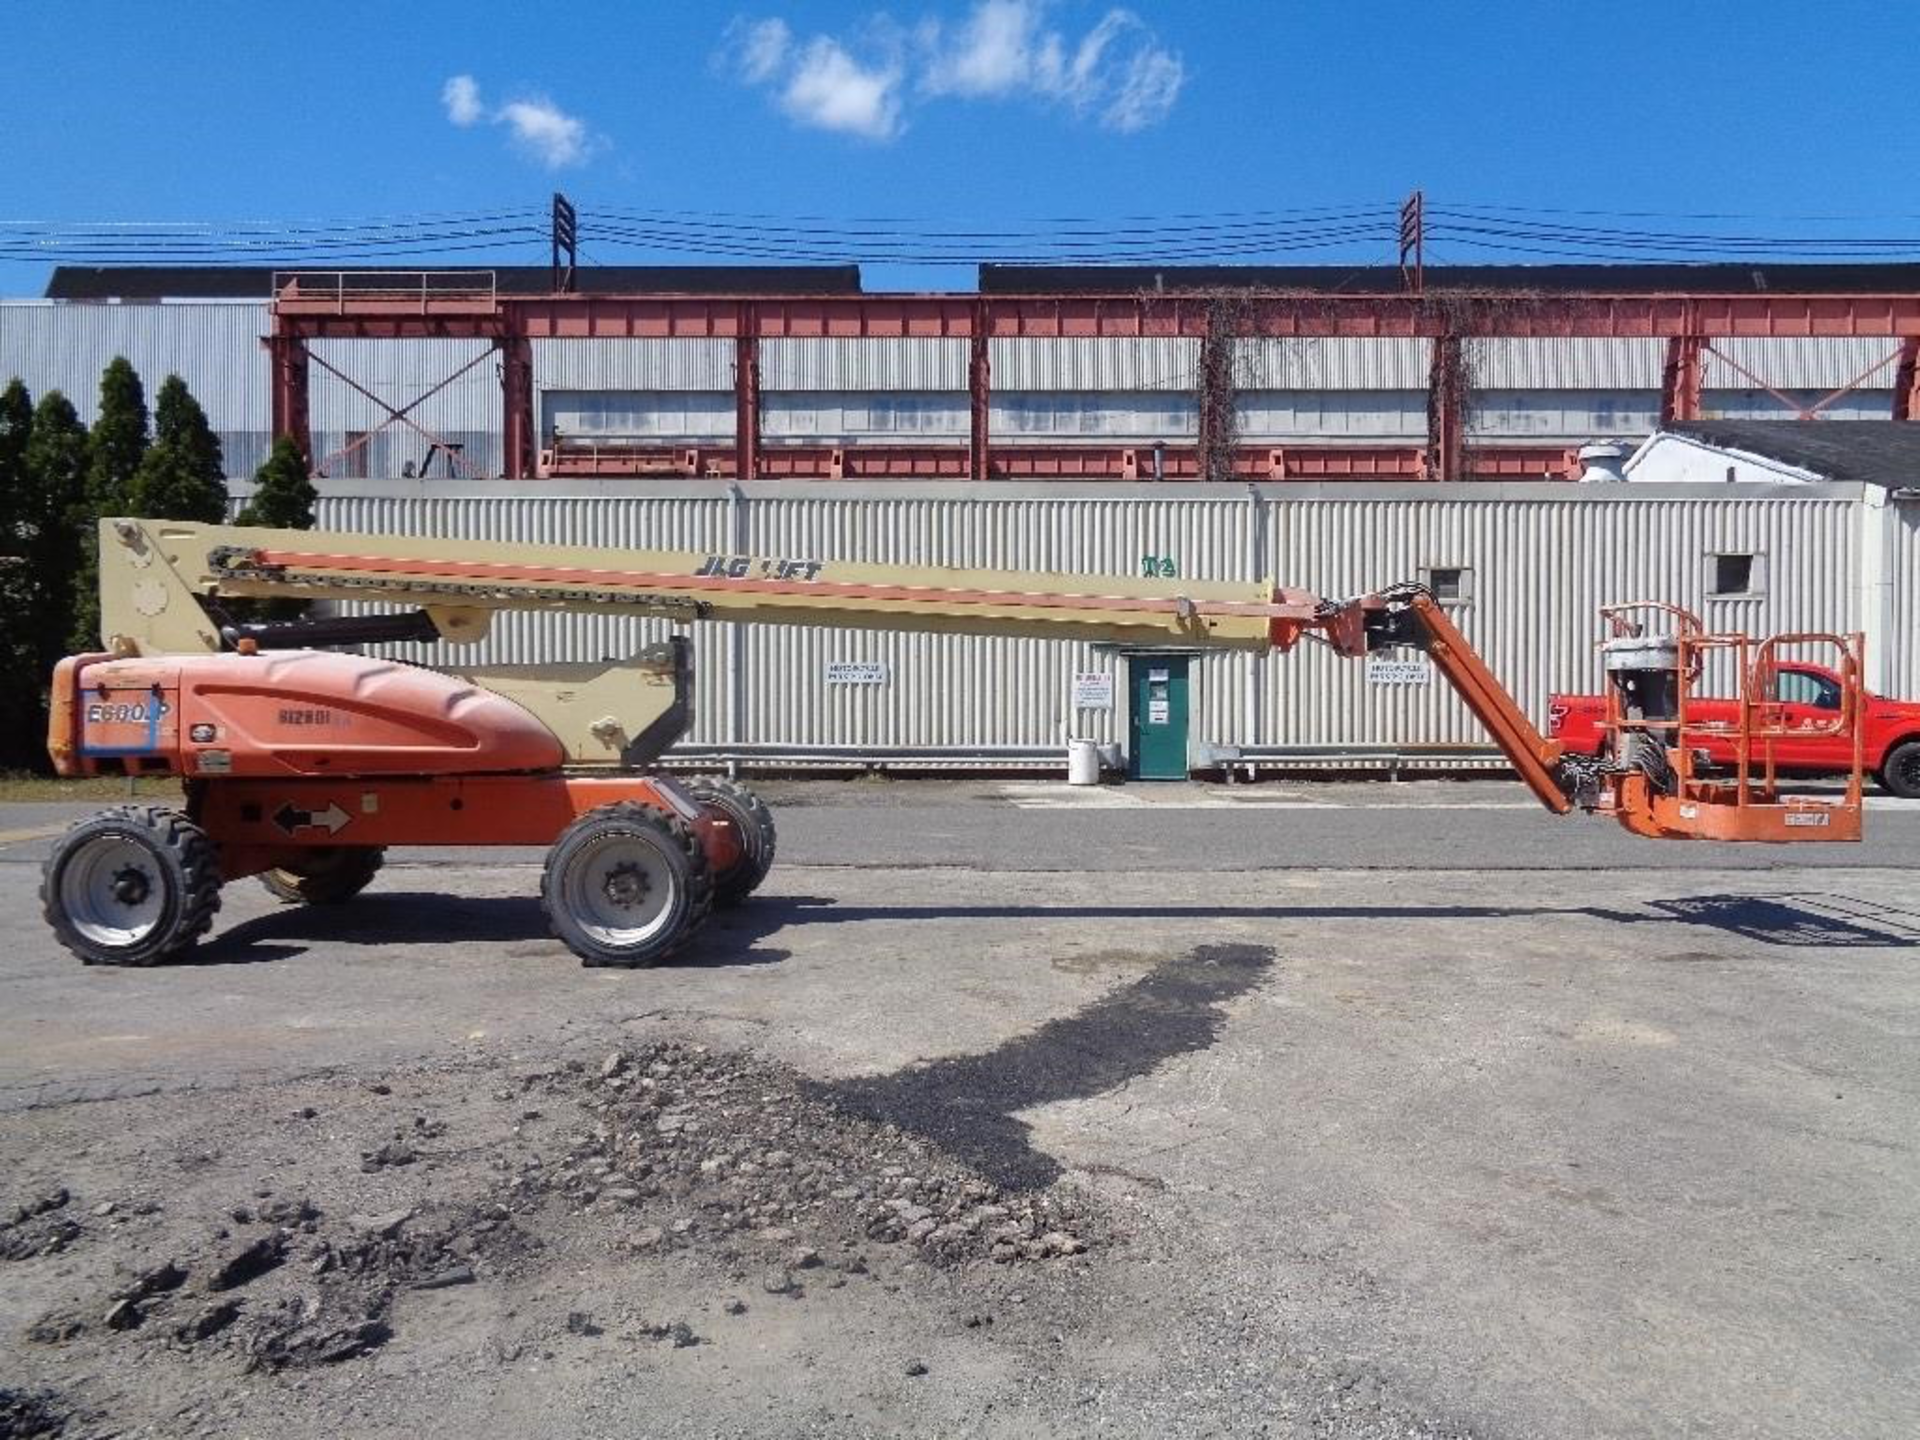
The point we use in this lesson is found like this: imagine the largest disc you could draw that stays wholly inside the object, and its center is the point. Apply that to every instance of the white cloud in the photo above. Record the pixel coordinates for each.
(991, 54)
(461, 96)
(546, 132)
(830, 90)
(1146, 91)
(539, 128)
(1118, 74)
(763, 48)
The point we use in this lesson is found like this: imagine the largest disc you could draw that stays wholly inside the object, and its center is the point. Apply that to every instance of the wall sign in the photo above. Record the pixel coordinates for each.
(1092, 690)
(856, 672)
(1399, 672)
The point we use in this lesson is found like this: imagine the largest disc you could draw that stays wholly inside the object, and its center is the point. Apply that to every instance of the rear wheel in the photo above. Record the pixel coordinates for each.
(1900, 771)
(134, 885)
(626, 885)
(754, 821)
(327, 875)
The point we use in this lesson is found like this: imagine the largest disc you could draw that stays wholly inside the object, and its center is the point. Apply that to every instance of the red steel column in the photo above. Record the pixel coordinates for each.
(1906, 381)
(1683, 378)
(288, 356)
(979, 396)
(519, 462)
(746, 398)
(1447, 411)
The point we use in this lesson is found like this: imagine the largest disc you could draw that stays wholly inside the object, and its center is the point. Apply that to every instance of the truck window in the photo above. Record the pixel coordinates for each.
(1803, 687)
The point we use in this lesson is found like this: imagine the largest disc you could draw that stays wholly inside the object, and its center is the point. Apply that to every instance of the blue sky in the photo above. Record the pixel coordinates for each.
(947, 111)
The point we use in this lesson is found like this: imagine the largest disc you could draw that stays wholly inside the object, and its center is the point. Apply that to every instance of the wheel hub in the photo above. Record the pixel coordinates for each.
(113, 890)
(626, 885)
(131, 886)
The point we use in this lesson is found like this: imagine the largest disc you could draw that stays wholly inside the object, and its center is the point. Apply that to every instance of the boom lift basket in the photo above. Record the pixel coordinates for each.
(1659, 786)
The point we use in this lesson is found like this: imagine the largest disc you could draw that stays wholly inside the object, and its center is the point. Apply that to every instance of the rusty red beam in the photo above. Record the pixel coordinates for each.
(746, 405)
(519, 431)
(1906, 381)
(955, 316)
(291, 365)
(1683, 378)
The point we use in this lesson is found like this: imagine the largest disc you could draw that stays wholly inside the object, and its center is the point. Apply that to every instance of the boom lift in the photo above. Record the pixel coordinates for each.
(301, 764)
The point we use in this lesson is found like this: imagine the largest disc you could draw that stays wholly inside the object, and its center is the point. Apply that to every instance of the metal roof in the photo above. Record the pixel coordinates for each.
(1874, 452)
(1388, 280)
(240, 282)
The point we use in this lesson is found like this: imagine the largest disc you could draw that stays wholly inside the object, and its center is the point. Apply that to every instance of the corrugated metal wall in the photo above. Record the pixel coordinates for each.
(1541, 560)
(842, 363)
(1540, 568)
(692, 364)
(215, 348)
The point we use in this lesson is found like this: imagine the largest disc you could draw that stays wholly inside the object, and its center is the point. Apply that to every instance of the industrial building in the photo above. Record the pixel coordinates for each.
(1058, 421)
(856, 386)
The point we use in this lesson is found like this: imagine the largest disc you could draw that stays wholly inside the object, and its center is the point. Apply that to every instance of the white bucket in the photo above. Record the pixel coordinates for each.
(1083, 762)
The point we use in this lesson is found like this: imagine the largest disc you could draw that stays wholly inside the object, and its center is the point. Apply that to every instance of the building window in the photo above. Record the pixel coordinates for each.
(1734, 575)
(1449, 584)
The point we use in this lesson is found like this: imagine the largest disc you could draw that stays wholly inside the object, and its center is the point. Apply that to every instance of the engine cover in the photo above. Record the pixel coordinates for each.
(290, 712)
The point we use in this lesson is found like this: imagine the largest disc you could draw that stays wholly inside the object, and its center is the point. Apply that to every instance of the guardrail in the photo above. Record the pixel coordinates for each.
(411, 292)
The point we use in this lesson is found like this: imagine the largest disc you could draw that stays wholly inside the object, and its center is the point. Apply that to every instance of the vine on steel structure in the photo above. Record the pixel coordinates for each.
(468, 305)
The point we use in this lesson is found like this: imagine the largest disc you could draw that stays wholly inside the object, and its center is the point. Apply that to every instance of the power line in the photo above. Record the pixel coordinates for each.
(1368, 230)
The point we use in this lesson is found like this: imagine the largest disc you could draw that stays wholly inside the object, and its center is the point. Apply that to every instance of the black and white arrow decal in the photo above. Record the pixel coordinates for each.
(333, 819)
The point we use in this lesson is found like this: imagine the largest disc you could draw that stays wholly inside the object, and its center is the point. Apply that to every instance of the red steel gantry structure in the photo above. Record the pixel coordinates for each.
(467, 305)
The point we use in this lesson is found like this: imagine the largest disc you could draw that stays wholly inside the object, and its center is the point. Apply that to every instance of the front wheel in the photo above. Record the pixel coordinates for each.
(626, 885)
(1900, 771)
(134, 885)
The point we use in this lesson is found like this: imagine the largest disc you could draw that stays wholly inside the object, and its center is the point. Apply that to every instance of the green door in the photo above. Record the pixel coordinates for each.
(1157, 726)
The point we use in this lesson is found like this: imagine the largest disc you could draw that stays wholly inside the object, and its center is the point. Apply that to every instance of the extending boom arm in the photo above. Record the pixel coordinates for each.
(158, 580)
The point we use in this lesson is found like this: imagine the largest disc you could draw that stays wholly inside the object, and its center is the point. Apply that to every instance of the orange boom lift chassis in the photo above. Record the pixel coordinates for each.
(302, 764)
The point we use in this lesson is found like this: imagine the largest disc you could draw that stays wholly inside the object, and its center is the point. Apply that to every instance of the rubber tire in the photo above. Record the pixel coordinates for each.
(1900, 772)
(681, 849)
(759, 838)
(188, 866)
(335, 874)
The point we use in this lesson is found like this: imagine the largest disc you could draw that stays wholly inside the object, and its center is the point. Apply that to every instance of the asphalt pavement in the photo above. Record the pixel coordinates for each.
(1534, 1127)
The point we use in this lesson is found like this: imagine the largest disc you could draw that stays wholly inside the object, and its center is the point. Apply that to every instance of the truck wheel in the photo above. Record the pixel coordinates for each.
(1900, 771)
(134, 885)
(329, 875)
(626, 885)
(754, 820)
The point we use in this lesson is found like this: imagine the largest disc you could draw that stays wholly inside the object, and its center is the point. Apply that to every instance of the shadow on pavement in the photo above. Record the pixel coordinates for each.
(1837, 921)
(385, 918)
(966, 1104)
(1787, 920)
(733, 937)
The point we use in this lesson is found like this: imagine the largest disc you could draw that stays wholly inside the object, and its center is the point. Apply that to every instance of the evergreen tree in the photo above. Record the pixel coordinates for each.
(115, 448)
(119, 440)
(179, 478)
(16, 425)
(18, 712)
(54, 511)
(283, 496)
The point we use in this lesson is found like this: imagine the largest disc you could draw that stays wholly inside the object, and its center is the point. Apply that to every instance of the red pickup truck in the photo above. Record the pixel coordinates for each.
(1808, 695)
